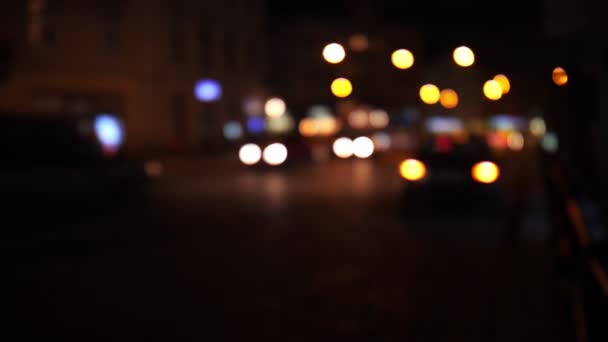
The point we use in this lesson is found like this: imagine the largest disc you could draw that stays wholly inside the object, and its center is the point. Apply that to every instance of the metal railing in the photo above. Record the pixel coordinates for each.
(583, 239)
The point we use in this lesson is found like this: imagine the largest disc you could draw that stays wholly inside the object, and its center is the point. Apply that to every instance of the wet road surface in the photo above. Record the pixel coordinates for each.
(313, 252)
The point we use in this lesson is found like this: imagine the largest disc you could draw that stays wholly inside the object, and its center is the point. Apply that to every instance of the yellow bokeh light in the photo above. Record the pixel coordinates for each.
(492, 90)
(448, 98)
(341, 87)
(504, 82)
(412, 170)
(327, 125)
(560, 77)
(464, 56)
(334, 53)
(485, 172)
(429, 94)
(402, 59)
(308, 127)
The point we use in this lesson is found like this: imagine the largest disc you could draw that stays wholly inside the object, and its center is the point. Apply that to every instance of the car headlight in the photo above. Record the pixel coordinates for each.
(275, 154)
(343, 147)
(412, 170)
(250, 154)
(485, 172)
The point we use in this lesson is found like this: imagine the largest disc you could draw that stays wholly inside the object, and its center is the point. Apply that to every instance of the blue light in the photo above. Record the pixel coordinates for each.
(109, 131)
(508, 122)
(233, 130)
(208, 90)
(438, 125)
(256, 125)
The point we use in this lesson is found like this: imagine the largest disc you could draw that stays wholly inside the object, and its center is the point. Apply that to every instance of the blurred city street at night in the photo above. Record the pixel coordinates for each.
(364, 170)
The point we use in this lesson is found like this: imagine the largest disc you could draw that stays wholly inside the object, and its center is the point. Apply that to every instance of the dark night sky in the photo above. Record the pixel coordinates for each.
(472, 19)
(489, 25)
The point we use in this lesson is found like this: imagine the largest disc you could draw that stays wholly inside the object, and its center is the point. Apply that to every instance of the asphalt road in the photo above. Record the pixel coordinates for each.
(325, 253)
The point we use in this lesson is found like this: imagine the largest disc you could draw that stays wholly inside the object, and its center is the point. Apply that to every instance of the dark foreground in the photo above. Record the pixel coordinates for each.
(318, 253)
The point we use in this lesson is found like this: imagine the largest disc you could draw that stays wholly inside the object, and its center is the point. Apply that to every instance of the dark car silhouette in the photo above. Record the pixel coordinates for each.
(446, 173)
(56, 163)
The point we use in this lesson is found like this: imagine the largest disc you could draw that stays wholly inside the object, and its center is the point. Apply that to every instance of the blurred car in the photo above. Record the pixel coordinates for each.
(452, 173)
(285, 151)
(59, 161)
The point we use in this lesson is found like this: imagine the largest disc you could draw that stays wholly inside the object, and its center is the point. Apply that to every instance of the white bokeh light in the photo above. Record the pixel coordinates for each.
(464, 56)
(275, 154)
(334, 53)
(343, 148)
(250, 154)
(363, 147)
(109, 131)
(275, 107)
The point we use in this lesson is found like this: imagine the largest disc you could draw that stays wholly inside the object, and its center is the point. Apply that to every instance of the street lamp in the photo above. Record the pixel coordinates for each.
(492, 90)
(429, 94)
(464, 56)
(334, 53)
(504, 82)
(341, 87)
(448, 98)
(402, 59)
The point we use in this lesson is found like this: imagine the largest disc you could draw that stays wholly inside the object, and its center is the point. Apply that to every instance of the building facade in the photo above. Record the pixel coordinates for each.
(576, 36)
(138, 59)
